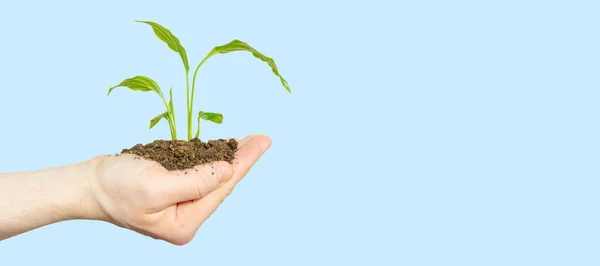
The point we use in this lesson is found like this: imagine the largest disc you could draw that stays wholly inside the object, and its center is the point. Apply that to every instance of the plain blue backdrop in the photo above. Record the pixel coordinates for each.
(417, 132)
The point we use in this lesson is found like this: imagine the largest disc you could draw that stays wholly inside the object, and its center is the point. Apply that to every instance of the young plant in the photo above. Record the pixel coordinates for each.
(142, 83)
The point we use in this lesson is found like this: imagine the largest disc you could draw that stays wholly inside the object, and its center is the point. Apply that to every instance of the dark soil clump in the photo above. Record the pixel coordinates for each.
(181, 154)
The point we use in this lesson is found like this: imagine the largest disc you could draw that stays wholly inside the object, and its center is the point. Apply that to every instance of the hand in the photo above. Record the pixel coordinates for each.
(143, 196)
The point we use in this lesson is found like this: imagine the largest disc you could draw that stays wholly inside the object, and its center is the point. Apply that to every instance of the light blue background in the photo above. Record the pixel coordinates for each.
(417, 133)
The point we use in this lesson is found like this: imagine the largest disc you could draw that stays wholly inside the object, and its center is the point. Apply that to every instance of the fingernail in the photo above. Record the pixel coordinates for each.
(264, 143)
(224, 172)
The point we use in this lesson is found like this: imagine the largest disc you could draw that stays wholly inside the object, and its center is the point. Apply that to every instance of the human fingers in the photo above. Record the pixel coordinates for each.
(251, 149)
(185, 185)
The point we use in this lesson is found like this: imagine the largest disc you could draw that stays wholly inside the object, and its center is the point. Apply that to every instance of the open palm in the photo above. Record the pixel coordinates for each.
(143, 196)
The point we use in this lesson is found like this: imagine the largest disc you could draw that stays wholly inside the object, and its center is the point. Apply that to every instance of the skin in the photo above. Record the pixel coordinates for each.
(136, 194)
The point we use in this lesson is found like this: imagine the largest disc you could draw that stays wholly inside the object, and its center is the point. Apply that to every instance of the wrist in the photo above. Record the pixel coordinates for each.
(78, 200)
(34, 199)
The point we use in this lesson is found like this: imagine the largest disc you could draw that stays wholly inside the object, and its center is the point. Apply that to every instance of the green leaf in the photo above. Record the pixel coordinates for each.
(166, 36)
(171, 99)
(156, 119)
(213, 117)
(237, 45)
(138, 83)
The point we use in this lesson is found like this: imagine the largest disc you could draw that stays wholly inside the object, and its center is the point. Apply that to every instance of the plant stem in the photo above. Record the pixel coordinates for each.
(191, 104)
(172, 133)
(198, 132)
(174, 126)
(171, 109)
(171, 121)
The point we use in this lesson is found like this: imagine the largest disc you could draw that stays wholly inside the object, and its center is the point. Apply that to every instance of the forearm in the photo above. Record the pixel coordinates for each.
(33, 199)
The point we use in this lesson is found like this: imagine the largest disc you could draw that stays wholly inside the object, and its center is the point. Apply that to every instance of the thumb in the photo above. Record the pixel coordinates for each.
(251, 149)
(192, 184)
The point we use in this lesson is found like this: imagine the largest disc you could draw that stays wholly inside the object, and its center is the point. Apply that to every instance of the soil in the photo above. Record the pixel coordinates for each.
(182, 155)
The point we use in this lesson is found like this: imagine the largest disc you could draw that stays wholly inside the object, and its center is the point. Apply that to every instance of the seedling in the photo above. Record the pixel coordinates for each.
(142, 83)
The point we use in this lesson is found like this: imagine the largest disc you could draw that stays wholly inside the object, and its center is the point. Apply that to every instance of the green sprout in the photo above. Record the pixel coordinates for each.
(142, 83)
